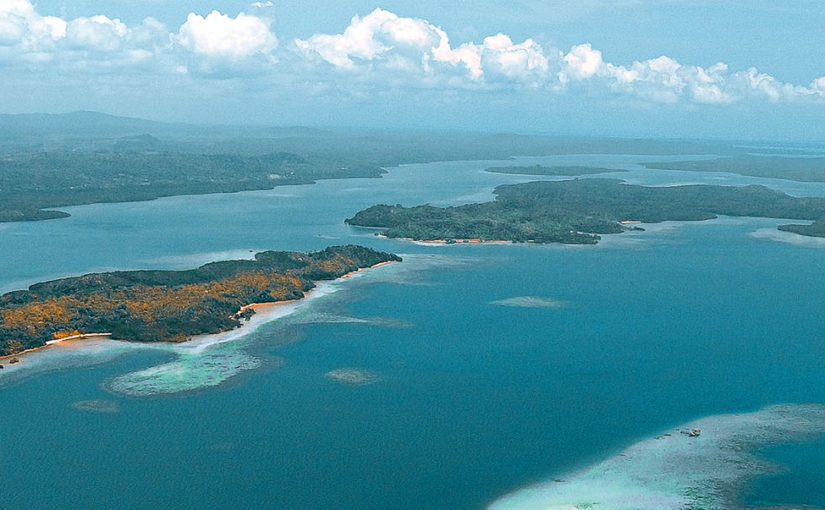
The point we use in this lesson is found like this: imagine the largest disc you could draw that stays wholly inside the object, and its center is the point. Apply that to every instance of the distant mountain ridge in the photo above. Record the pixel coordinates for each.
(84, 124)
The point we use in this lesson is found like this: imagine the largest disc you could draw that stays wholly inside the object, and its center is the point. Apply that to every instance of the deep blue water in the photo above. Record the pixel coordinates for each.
(473, 399)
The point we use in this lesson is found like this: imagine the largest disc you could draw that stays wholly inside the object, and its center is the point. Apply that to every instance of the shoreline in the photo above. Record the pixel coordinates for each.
(48, 343)
(269, 304)
(264, 313)
(430, 242)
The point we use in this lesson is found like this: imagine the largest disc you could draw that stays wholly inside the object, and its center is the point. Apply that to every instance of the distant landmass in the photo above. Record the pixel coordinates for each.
(152, 306)
(81, 127)
(31, 183)
(551, 170)
(803, 169)
(48, 161)
(577, 211)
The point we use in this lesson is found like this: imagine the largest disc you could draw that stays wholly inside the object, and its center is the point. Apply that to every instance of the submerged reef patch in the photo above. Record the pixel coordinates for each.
(331, 318)
(187, 373)
(353, 376)
(703, 464)
(529, 302)
(102, 406)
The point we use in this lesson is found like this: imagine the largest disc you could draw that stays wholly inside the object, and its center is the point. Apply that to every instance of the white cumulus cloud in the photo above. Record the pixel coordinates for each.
(374, 37)
(20, 24)
(383, 39)
(665, 80)
(383, 46)
(221, 36)
(376, 52)
(581, 62)
(98, 41)
(97, 33)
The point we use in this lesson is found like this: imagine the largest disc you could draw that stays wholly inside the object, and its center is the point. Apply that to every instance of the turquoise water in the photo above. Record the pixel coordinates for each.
(472, 397)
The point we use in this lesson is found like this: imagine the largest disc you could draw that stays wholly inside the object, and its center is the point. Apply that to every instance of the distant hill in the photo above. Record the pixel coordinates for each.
(36, 131)
(80, 124)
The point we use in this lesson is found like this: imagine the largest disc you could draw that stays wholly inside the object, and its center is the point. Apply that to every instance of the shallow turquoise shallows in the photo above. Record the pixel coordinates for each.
(448, 381)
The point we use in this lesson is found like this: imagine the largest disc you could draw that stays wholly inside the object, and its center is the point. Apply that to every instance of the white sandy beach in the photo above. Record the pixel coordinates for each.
(95, 347)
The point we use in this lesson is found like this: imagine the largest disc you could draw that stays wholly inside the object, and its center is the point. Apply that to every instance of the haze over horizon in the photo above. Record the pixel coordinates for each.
(678, 68)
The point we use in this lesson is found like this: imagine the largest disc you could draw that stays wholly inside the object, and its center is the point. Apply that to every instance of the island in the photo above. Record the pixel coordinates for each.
(578, 211)
(172, 306)
(563, 171)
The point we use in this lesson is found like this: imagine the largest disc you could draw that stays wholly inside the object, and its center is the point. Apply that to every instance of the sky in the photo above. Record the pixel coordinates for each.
(642, 68)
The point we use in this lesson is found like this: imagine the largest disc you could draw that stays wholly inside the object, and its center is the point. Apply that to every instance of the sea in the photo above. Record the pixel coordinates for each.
(464, 377)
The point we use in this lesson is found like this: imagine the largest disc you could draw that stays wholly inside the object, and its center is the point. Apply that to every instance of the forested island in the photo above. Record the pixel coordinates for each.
(551, 170)
(152, 306)
(577, 211)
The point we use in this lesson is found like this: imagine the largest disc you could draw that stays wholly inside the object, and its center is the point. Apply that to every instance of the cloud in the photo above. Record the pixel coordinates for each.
(383, 40)
(94, 42)
(384, 46)
(21, 25)
(580, 63)
(665, 80)
(378, 52)
(376, 37)
(221, 36)
(217, 43)
(501, 58)
(96, 33)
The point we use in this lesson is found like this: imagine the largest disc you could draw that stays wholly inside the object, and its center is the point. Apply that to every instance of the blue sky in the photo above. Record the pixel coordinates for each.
(673, 68)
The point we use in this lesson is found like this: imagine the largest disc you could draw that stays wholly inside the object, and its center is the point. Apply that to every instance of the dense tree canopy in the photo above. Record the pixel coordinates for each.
(577, 211)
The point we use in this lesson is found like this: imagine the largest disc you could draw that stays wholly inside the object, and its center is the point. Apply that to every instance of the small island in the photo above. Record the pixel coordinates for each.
(562, 171)
(578, 211)
(171, 306)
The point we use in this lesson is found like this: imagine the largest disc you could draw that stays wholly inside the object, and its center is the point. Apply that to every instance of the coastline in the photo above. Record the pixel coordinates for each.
(49, 343)
(430, 242)
(264, 313)
(266, 306)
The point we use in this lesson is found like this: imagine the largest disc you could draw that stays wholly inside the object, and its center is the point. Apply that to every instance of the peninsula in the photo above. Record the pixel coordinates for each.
(803, 168)
(578, 211)
(153, 306)
(815, 229)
